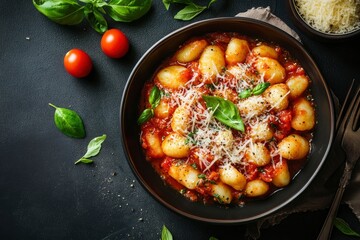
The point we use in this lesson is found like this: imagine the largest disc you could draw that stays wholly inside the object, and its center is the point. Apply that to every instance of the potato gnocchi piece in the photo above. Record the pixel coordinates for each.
(191, 51)
(252, 106)
(256, 188)
(173, 77)
(258, 154)
(236, 51)
(163, 109)
(152, 141)
(271, 69)
(221, 192)
(297, 85)
(174, 145)
(211, 63)
(265, 51)
(232, 177)
(184, 174)
(294, 147)
(282, 175)
(303, 115)
(261, 131)
(180, 120)
(277, 96)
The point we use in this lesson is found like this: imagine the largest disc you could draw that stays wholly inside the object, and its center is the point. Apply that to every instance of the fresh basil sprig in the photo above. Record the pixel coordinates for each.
(72, 12)
(225, 111)
(68, 122)
(190, 11)
(344, 227)
(257, 90)
(93, 149)
(154, 100)
(166, 234)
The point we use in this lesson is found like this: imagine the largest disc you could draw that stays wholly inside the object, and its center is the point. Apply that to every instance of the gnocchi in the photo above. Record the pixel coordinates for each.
(173, 77)
(304, 115)
(211, 63)
(232, 121)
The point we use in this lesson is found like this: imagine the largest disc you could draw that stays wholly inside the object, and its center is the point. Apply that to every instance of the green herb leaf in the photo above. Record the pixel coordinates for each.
(344, 227)
(127, 10)
(94, 146)
(189, 12)
(211, 2)
(66, 12)
(245, 94)
(260, 88)
(84, 160)
(202, 176)
(225, 111)
(154, 97)
(145, 116)
(68, 122)
(166, 234)
(95, 19)
(93, 149)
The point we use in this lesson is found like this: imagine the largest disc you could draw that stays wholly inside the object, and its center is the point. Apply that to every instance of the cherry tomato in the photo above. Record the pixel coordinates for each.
(77, 63)
(114, 43)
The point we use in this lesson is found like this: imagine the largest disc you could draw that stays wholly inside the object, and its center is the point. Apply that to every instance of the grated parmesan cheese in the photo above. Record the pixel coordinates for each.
(330, 16)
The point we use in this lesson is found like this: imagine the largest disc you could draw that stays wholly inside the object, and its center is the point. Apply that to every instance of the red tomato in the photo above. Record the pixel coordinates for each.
(77, 63)
(114, 43)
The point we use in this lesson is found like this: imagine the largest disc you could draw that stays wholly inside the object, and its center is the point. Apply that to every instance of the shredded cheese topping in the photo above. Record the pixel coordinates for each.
(331, 16)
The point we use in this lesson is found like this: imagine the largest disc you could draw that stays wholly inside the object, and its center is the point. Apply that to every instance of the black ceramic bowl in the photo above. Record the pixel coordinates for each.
(312, 32)
(130, 132)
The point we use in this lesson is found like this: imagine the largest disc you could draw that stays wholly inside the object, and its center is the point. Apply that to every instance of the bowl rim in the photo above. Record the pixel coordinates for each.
(307, 28)
(144, 183)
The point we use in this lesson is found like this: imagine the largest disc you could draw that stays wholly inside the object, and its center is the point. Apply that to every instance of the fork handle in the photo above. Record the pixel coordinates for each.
(326, 229)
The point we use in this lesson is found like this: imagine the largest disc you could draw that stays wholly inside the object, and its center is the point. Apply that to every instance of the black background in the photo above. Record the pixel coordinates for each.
(43, 195)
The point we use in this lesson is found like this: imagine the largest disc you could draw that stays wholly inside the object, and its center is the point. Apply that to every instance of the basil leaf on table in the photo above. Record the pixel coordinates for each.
(95, 19)
(127, 10)
(166, 234)
(189, 12)
(344, 227)
(66, 12)
(225, 111)
(68, 122)
(93, 149)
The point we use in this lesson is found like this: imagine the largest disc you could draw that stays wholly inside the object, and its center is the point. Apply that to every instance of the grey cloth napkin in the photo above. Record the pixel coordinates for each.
(320, 192)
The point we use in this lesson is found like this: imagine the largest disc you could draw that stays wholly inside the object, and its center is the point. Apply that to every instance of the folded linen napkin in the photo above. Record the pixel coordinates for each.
(320, 192)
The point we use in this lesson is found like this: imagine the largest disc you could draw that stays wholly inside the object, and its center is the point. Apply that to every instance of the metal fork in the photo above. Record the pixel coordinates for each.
(351, 145)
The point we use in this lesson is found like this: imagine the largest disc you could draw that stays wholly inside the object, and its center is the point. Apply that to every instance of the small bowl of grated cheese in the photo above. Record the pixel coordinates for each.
(327, 19)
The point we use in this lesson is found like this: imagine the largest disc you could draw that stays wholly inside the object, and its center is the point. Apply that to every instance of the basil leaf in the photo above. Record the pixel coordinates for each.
(213, 238)
(93, 149)
(225, 111)
(68, 122)
(94, 146)
(127, 10)
(260, 88)
(245, 94)
(155, 97)
(145, 115)
(84, 160)
(189, 12)
(166, 234)
(95, 19)
(66, 12)
(344, 227)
